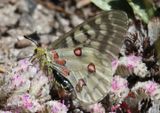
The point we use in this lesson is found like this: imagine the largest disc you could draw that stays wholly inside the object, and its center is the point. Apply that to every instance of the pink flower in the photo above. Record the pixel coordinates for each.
(22, 65)
(57, 107)
(119, 88)
(129, 61)
(151, 87)
(132, 61)
(97, 108)
(115, 107)
(17, 80)
(27, 102)
(24, 102)
(23, 62)
(118, 83)
(114, 64)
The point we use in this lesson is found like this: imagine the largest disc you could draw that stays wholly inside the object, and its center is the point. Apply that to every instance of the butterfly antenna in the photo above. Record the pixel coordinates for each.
(36, 43)
(34, 37)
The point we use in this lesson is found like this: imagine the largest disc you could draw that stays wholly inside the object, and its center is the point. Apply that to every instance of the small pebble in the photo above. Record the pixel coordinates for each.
(2, 70)
(22, 43)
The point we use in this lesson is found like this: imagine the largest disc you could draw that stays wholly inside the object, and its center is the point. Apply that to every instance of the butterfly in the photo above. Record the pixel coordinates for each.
(81, 59)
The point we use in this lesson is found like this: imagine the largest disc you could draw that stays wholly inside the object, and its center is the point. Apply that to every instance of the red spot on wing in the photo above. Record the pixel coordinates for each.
(57, 59)
(91, 68)
(78, 51)
(80, 85)
(60, 61)
(55, 54)
(65, 71)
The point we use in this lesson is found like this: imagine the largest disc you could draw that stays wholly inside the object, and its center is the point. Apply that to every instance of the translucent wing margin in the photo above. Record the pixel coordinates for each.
(101, 32)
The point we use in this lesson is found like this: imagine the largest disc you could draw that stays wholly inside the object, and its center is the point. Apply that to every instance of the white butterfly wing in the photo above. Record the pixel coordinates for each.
(105, 30)
(100, 39)
(154, 29)
(154, 34)
(96, 84)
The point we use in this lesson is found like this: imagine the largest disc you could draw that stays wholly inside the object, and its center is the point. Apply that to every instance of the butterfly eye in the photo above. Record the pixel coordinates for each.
(35, 51)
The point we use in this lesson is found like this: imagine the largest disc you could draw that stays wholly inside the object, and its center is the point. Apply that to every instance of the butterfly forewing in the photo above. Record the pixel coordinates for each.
(154, 29)
(89, 50)
(154, 34)
(98, 32)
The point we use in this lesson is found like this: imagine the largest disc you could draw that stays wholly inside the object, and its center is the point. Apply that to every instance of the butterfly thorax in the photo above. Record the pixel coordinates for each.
(43, 58)
(51, 64)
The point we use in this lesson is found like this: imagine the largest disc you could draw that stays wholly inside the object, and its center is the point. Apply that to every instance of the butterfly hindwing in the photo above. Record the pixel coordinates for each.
(92, 85)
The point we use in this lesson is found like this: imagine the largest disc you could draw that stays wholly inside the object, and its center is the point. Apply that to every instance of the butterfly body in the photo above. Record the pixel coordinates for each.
(81, 59)
(62, 80)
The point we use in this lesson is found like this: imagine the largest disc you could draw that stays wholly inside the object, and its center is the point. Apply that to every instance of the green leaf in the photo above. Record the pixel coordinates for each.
(103, 4)
(143, 8)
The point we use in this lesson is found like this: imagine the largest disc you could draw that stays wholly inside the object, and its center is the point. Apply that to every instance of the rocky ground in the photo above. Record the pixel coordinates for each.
(47, 20)
(50, 19)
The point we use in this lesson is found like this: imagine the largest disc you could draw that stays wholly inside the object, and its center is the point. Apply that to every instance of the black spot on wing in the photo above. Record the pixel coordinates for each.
(76, 42)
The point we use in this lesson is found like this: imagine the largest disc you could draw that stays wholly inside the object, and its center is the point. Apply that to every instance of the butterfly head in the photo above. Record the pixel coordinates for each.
(39, 51)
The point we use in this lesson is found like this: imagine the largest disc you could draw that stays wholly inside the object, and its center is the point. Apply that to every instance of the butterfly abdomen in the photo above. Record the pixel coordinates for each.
(61, 80)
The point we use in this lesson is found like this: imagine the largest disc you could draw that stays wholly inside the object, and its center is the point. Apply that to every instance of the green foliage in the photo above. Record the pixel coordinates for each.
(103, 4)
(143, 8)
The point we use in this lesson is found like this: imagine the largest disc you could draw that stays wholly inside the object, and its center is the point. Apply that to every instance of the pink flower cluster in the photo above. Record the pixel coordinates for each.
(118, 83)
(17, 80)
(151, 87)
(130, 61)
(96, 108)
(27, 89)
(119, 88)
(57, 107)
(24, 101)
(22, 65)
(131, 64)
(27, 102)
